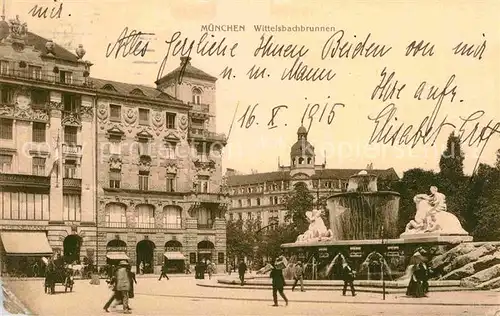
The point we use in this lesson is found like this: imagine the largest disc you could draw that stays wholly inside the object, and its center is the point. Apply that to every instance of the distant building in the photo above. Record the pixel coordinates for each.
(260, 195)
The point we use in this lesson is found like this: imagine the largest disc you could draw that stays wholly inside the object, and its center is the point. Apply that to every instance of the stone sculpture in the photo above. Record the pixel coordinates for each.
(432, 217)
(317, 229)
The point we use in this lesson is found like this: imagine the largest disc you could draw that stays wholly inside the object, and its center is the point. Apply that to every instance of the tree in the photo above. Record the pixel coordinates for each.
(451, 163)
(298, 202)
(273, 238)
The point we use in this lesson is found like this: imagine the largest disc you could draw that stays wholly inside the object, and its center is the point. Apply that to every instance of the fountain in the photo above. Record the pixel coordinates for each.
(363, 229)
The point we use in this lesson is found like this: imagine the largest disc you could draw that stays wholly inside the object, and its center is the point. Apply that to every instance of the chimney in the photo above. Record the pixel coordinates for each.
(185, 60)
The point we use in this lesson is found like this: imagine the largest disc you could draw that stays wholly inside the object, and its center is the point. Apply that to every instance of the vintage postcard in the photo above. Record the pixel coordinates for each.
(272, 157)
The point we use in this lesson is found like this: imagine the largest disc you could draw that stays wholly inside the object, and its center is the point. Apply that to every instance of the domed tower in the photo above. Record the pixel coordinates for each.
(302, 157)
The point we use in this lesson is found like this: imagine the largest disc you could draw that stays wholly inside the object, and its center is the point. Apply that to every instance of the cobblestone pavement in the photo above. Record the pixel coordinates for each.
(181, 296)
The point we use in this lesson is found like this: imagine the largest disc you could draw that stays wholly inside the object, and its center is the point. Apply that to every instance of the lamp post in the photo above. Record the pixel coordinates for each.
(382, 264)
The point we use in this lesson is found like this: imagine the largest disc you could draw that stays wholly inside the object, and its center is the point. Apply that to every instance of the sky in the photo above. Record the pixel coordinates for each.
(344, 141)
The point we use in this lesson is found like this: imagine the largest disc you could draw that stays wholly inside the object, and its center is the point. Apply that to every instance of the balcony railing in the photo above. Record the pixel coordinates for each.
(24, 180)
(116, 224)
(72, 150)
(173, 225)
(200, 133)
(205, 226)
(72, 183)
(44, 76)
(145, 225)
(205, 108)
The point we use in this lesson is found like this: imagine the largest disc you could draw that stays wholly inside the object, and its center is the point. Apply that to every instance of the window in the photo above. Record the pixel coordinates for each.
(197, 123)
(4, 67)
(170, 120)
(170, 150)
(220, 258)
(38, 167)
(171, 182)
(6, 95)
(258, 201)
(116, 215)
(71, 102)
(115, 178)
(35, 72)
(240, 204)
(276, 201)
(115, 112)
(249, 202)
(201, 154)
(203, 184)
(39, 97)
(5, 163)
(72, 207)
(65, 77)
(240, 216)
(144, 116)
(172, 217)
(70, 169)
(249, 215)
(146, 216)
(38, 132)
(144, 180)
(196, 96)
(231, 217)
(24, 206)
(70, 134)
(143, 147)
(6, 128)
(115, 145)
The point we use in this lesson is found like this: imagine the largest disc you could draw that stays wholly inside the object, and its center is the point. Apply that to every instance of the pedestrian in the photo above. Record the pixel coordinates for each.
(164, 272)
(242, 268)
(121, 287)
(141, 268)
(298, 276)
(348, 275)
(278, 282)
(131, 276)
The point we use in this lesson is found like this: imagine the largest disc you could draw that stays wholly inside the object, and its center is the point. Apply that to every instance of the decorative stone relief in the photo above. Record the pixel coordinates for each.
(27, 113)
(86, 112)
(183, 122)
(204, 167)
(102, 114)
(144, 163)
(171, 165)
(130, 118)
(158, 122)
(115, 162)
(72, 119)
(58, 106)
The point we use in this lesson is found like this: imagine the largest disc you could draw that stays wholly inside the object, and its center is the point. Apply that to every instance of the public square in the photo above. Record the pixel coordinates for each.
(182, 296)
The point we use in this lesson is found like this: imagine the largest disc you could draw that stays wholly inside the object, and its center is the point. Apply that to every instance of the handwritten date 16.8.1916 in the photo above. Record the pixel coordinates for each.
(313, 112)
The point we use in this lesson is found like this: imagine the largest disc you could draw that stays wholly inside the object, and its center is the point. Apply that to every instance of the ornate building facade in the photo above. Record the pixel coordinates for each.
(103, 169)
(160, 171)
(46, 149)
(260, 195)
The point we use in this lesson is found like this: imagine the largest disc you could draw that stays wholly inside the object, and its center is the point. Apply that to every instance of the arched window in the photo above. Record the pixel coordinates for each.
(309, 160)
(301, 160)
(197, 96)
(116, 215)
(258, 201)
(146, 216)
(172, 217)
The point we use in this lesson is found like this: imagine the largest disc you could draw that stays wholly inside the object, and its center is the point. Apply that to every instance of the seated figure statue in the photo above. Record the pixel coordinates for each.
(317, 228)
(432, 216)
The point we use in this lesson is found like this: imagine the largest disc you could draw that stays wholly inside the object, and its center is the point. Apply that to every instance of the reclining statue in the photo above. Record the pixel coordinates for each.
(317, 229)
(432, 216)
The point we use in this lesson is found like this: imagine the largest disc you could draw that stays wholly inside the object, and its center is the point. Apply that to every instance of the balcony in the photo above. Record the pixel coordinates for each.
(172, 225)
(205, 226)
(203, 108)
(145, 225)
(204, 135)
(24, 180)
(116, 224)
(204, 197)
(72, 150)
(72, 184)
(44, 77)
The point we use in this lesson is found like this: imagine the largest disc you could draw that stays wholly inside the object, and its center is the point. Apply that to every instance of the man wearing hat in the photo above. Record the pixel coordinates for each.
(348, 275)
(298, 276)
(122, 287)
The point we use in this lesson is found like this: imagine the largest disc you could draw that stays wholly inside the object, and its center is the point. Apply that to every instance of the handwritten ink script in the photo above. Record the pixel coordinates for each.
(43, 11)
(389, 95)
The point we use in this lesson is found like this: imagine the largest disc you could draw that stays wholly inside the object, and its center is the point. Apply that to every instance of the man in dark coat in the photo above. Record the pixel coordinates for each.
(278, 283)
(242, 269)
(163, 272)
(348, 276)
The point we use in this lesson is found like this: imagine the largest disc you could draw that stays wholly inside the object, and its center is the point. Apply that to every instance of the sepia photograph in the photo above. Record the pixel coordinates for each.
(271, 157)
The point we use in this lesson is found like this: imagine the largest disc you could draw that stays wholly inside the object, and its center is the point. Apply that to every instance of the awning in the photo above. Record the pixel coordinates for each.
(174, 255)
(117, 255)
(26, 244)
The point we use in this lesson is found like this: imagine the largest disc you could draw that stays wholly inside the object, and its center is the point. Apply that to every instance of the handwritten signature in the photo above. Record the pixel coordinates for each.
(129, 44)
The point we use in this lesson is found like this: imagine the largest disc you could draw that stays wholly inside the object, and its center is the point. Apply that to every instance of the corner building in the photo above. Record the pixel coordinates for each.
(47, 153)
(159, 172)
